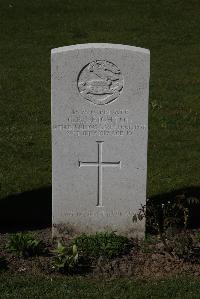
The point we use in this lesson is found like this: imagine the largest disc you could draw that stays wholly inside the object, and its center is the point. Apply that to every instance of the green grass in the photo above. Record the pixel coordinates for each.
(24, 286)
(29, 29)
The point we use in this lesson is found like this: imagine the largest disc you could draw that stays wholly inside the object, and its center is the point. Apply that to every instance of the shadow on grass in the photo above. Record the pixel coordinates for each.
(29, 210)
(33, 209)
(3, 264)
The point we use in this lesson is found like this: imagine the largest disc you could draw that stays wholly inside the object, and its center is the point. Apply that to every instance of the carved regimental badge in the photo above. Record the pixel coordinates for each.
(100, 82)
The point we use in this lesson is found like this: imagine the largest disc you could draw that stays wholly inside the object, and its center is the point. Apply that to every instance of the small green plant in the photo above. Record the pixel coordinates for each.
(171, 213)
(168, 216)
(155, 106)
(102, 244)
(147, 245)
(65, 259)
(181, 244)
(25, 244)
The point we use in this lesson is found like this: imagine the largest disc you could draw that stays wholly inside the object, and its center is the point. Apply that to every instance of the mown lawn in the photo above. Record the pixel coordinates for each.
(24, 287)
(30, 29)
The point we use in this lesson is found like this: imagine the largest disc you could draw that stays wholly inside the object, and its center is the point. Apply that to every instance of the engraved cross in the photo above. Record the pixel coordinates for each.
(100, 164)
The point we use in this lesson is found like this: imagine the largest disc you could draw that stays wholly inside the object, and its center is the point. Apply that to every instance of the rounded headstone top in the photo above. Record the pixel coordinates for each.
(100, 45)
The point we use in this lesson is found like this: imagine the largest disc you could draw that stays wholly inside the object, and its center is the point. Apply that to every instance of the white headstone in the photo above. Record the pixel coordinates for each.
(99, 137)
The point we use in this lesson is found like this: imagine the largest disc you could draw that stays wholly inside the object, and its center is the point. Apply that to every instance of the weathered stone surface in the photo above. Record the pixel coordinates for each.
(99, 137)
